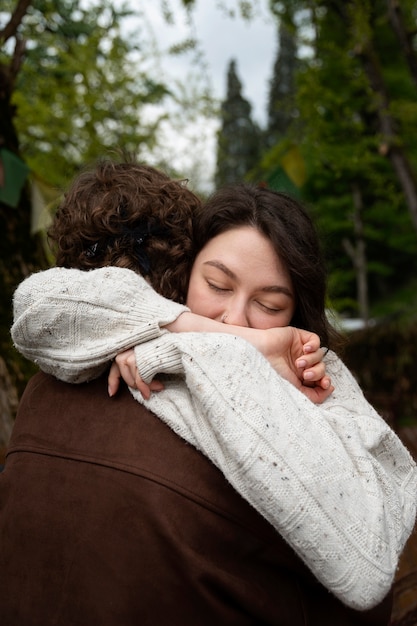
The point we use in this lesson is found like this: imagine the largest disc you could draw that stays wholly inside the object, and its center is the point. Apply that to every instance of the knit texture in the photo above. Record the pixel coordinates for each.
(63, 321)
(333, 479)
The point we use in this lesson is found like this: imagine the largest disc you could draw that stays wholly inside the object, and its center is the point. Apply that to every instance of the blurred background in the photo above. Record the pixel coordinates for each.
(318, 99)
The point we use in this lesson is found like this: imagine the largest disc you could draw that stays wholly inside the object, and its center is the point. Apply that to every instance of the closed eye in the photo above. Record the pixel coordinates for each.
(216, 288)
(269, 309)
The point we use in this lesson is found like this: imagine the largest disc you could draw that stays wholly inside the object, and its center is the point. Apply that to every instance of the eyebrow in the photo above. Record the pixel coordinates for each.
(270, 289)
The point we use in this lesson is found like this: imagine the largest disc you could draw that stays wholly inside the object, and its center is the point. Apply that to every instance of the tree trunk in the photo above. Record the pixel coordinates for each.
(357, 254)
(405, 38)
(390, 143)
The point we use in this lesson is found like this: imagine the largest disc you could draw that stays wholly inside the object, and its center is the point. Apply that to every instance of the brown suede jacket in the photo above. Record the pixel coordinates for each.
(108, 518)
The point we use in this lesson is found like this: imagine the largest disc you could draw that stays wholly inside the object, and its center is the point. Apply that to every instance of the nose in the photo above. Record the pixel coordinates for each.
(235, 315)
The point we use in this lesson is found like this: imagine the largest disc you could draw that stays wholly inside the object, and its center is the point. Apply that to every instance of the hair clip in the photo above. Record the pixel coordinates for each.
(92, 250)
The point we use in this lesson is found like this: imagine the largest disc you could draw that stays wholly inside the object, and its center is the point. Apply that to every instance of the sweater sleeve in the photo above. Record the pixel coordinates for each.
(333, 479)
(72, 322)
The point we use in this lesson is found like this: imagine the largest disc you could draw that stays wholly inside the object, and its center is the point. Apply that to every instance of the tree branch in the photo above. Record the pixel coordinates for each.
(15, 20)
(17, 60)
(387, 125)
(404, 36)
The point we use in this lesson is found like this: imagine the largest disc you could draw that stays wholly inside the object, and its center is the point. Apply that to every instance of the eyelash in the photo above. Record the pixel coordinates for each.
(215, 288)
(263, 306)
(269, 309)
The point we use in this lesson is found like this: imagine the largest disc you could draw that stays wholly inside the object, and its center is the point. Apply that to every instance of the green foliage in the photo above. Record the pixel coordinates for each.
(234, 8)
(354, 103)
(83, 88)
(344, 149)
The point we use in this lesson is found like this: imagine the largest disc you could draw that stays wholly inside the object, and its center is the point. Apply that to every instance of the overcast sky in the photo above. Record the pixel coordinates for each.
(252, 44)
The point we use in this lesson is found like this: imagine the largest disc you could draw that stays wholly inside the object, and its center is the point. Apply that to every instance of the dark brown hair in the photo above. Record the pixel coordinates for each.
(286, 223)
(129, 215)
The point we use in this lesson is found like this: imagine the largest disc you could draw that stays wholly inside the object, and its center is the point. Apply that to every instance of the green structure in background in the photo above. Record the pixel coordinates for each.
(13, 174)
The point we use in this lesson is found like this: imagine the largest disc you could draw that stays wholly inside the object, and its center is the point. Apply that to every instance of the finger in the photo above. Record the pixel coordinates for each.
(317, 394)
(312, 345)
(315, 373)
(113, 380)
(156, 385)
(143, 388)
(310, 359)
(146, 389)
(124, 358)
(126, 374)
(326, 383)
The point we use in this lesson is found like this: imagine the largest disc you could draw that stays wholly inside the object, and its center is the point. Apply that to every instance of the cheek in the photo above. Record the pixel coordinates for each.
(263, 321)
(287, 316)
(200, 300)
(197, 305)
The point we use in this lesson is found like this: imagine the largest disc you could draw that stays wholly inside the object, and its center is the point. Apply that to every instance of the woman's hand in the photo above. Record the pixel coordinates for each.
(124, 366)
(296, 355)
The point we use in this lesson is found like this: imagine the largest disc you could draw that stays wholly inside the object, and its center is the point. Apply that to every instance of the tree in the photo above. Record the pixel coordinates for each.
(238, 147)
(358, 105)
(364, 21)
(281, 166)
(82, 89)
(282, 88)
(71, 88)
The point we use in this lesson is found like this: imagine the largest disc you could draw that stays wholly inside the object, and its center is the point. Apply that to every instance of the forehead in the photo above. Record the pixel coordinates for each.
(244, 249)
(239, 239)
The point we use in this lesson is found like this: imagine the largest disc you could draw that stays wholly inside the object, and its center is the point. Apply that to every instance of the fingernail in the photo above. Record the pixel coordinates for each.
(308, 375)
(301, 363)
(110, 392)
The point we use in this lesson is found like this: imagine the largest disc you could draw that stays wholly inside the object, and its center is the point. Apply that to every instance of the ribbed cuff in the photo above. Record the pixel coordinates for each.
(158, 356)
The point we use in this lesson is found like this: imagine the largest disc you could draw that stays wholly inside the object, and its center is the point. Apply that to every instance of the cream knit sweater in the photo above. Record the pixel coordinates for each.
(333, 479)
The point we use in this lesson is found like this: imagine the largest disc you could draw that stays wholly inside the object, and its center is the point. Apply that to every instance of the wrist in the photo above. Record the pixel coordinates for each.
(189, 322)
(181, 324)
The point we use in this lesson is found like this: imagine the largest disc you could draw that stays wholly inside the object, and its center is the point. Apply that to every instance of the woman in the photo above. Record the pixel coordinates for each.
(334, 480)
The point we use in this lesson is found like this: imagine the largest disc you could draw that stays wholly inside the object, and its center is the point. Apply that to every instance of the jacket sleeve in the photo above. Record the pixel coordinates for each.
(72, 322)
(333, 479)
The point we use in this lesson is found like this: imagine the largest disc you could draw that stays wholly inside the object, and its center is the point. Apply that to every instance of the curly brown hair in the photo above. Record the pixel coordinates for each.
(130, 215)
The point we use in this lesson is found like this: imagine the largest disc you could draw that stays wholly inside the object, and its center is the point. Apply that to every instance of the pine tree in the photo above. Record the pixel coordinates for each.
(239, 137)
(282, 166)
(281, 105)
